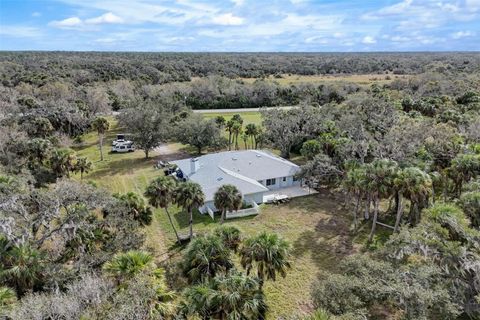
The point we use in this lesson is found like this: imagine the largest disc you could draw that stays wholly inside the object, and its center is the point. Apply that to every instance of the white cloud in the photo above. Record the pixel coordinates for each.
(36, 14)
(106, 40)
(369, 40)
(238, 2)
(67, 23)
(77, 23)
(106, 18)
(179, 40)
(227, 19)
(462, 34)
(411, 15)
(19, 31)
(400, 39)
(472, 5)
(316, 40)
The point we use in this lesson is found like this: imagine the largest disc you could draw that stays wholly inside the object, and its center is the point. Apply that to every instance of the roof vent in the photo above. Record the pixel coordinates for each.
(259, 155)
(219, 179)
(234, 158)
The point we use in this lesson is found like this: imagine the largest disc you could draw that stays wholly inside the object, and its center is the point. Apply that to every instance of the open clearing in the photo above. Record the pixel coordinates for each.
(248, 117)
(360, 79)
(316, 226)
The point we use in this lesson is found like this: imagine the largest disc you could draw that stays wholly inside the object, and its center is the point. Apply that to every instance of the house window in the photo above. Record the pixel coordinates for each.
(295, 178)
(271, 182)
(284, 179)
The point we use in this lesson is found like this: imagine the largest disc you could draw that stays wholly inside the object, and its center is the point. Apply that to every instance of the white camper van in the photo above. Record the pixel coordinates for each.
(122, 145)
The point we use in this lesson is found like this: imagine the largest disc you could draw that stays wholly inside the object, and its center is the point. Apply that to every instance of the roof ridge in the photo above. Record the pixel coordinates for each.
(274, 157)
(242, 177)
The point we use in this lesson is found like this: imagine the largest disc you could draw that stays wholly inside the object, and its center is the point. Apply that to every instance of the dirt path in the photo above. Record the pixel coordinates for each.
(169, 152)
(240, 110)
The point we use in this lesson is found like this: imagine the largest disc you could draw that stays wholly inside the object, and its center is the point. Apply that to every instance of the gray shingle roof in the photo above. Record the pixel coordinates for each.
(241, 168)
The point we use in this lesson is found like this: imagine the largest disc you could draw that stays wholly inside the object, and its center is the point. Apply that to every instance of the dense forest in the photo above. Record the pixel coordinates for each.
(402, 153)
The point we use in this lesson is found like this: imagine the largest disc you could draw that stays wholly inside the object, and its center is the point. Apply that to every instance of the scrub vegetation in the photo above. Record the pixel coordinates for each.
(390, 142)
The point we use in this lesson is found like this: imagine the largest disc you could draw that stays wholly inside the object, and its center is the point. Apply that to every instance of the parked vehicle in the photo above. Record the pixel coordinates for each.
(124, 147)
(160, 164)
(120, 139)
(121, 145)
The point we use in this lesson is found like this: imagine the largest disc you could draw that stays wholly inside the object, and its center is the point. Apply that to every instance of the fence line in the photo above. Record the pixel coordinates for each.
(244, 212)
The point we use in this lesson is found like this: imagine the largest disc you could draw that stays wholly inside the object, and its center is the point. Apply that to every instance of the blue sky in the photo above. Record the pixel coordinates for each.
(240, 25)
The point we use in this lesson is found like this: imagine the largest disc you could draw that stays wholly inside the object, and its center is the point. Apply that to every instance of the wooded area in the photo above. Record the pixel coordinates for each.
(404, 153)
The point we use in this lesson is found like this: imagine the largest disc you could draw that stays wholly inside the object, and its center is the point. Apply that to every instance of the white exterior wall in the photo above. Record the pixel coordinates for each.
(257, 197)
(209, 204)
(279, 183)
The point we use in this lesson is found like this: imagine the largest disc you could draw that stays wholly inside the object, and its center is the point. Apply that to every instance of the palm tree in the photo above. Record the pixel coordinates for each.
(161, 194)
(83, 165)
(39, 150)
(63, 161)
(452, 219)
(7, 298)
(229, 128)
(464, 167)
(245, 140)
(268, 253)
(136, 206)
(230, 235)
(220, 121)
(237, 129)
(206, 257)
(237, 118)
(251, 130)
(380, 175)
(227, 198)
(231, 296)
(101, 125)
(415, 185)
(22, 268)
(238, 296)
(189, 196)
(354, 183)
(470, 204)
(127, 265)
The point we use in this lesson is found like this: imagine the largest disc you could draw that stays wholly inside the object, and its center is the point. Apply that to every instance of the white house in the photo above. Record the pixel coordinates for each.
(253, 172)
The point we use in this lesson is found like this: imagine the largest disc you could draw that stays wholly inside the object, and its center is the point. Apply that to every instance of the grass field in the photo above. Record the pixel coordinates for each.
(119, 172)
(316, 226)
(248, 117)
(360, 79)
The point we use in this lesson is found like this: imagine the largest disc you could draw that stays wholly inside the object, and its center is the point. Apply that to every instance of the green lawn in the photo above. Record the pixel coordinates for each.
(119, 172)
(248, 117)
(316, 226)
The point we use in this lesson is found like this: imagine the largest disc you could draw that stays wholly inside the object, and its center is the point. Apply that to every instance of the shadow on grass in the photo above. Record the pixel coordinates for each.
(121, 166)
(331, 239)
(182, 219)
(204, 221)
